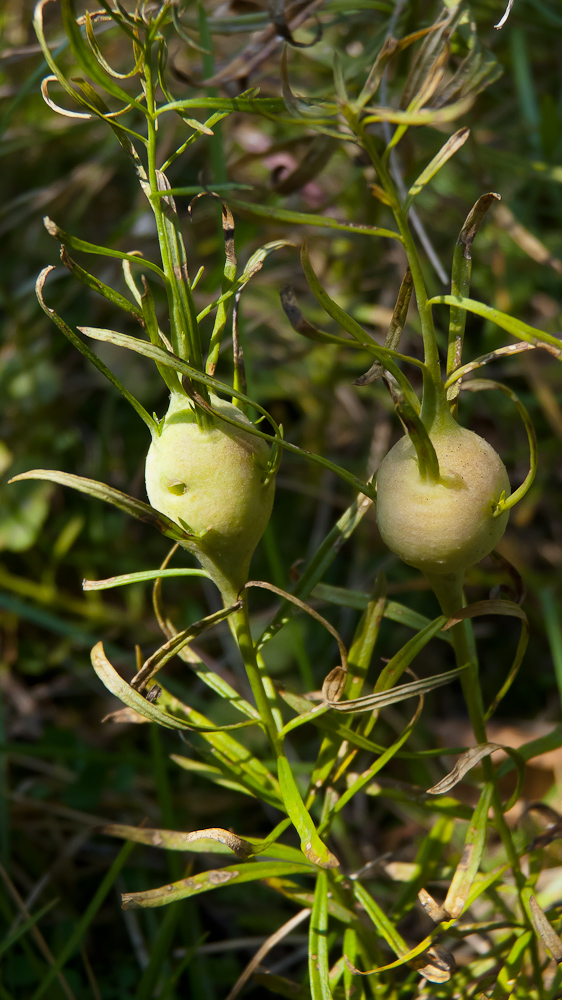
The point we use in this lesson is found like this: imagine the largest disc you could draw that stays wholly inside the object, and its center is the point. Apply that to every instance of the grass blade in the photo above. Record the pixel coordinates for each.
(318, 968)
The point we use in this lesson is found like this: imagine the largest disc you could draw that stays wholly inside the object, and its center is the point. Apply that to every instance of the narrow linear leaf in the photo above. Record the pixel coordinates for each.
(381, 922)
(87, 59)
(423, 116)
(497, 607)
(358, 599)
(267, 105)
(544, 928)
(387, 357)
(213, 879)
(473, 849)
(318, 968)
(164, 358)
(136, 508)
(397, 323)
(87, 352)
(133, 699)
(176, 643)
(309, 219)
(172, 840)
(85, 247)
(471, 759)
(514, 326)
(311, 845)
(397, 694)
(461, 274)
(141, 577)
(478, 385)
(319, 563)
(99, 286)
(448, 150)
(330, 724)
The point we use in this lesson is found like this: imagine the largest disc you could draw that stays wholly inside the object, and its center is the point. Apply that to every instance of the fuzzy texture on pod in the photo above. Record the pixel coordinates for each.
(215, 480)
(442, 527)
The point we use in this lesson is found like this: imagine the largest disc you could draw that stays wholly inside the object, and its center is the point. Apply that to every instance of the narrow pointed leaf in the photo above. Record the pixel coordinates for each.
(87, 352)
(397, 694)
(516, 327)
(141, 577)
(544, 928)
(136, 508)
(318, 968)
(122, 690)
(85, 247)
(87, 59)
(213, 879)
(309, 219)
(467, 867)
(439, 160)
(311, 845)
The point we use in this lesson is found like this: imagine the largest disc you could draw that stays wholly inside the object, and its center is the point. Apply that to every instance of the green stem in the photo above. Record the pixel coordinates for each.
(184, 332)
(449, 592)
(426, 315)
(176, 327)
(265, 701)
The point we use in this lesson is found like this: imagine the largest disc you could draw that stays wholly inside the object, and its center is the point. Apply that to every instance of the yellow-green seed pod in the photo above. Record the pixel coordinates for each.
(216, 481)
(446, 526)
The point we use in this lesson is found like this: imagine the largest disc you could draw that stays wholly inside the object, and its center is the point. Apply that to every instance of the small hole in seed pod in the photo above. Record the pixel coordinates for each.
(178, 489)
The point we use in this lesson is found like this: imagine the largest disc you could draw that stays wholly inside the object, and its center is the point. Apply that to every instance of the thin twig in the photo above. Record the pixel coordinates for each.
(266, 947)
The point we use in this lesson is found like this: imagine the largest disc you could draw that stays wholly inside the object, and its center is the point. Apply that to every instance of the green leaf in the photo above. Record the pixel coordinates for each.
(98, 286)
(516, 327)
(309, 219)
(87, 352)
(402, 692)
(495, 607)
(402, 659)
(467, 867)
(387, 357)
(434, 166)
(460, 276)
(318, 968)
(223, 751)
(311, 845)
(393, 610)
(85, 247)
(136, 508)
(164, 358)
(133, 699)
(141, 577)
(213, 879)
(477, 385)
(319, 563)
(176, 643)
(88, 61)
(383, 925)
(257, 105)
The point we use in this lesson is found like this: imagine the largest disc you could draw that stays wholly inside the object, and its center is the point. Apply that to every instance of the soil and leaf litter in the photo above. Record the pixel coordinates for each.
(441, 494)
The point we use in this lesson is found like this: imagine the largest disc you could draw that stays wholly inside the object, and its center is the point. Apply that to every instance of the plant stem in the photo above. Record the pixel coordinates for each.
(240, 625)
(449, 592)
(184, 331)
(426, 316)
